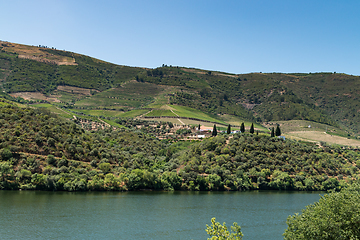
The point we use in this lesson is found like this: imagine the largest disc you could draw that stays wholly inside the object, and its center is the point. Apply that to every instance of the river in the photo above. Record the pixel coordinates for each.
(145, 215)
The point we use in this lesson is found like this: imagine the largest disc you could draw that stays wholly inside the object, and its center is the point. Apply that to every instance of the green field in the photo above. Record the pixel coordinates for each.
(130, 95)
(105, 113)
(67, 97)
(114, 124)
(160, 113)
(113, 113)
(134, 113)
(103, 100)
(183, 111)
(159, 101)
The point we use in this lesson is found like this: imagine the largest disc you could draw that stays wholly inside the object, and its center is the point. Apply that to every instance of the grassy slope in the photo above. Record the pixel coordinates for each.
(129, 95)
(337, 94)
(183, 111)
(54, 109)
(160, 113)
(114, 113)
(30, 75)
(325, 98)
(134, 113)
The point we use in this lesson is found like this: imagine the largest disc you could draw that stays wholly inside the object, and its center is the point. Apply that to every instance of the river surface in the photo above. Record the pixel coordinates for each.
(145, 215)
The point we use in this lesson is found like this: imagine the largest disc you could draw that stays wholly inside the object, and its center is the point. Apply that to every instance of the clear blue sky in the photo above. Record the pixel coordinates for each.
(232, 36)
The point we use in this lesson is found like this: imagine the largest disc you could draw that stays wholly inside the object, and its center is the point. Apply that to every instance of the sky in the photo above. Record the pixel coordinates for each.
(230, 36)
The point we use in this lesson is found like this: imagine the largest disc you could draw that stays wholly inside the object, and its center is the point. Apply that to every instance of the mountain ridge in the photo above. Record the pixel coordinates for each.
(329, 98)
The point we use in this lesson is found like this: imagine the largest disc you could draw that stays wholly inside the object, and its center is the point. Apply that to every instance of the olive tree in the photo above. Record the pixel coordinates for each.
(335, 216)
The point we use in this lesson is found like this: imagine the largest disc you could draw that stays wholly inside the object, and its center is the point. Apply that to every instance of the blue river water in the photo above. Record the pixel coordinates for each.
(145, 215)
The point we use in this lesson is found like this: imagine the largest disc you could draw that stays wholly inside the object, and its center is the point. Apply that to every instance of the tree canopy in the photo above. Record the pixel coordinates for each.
(252, 128)
(278, 131)
(335, 216)
(214, 132)
(242, 128)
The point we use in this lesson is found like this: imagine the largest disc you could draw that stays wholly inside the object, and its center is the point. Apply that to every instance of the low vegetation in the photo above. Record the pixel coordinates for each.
(40, 150)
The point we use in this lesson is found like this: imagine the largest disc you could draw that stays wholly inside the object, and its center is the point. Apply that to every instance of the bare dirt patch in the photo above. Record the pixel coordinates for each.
(35, 96)
(206, 72)
(193, 71)
(249, 105)
(36, 54)
(317, 136)
(44, 59)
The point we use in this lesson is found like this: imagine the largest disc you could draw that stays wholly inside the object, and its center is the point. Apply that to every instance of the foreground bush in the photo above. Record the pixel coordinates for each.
(221, 232)
(335, 216)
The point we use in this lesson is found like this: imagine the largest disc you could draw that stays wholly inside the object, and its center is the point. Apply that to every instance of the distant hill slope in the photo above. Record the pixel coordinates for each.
(25, 71)
(328, 98)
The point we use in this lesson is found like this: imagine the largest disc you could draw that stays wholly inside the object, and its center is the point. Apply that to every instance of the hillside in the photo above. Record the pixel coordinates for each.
(97, 88)
(40, 150)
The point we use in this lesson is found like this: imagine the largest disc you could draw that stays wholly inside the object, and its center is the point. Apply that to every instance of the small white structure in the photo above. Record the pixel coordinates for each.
(309, 126)
(206, 129)
(200, 136)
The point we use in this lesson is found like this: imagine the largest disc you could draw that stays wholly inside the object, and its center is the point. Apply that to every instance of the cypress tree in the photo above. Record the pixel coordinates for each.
(272, 132)
(228, 131)
(214, 132)
(278, 131)
(199, 127)
(242, 128)
(252, 128)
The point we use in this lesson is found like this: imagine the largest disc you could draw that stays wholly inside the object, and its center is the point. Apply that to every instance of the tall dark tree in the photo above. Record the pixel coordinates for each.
(252, 128)
(214, 132)
(272, 132)
(242, 128)
(278, 131)
(228, 131)
(199, 127)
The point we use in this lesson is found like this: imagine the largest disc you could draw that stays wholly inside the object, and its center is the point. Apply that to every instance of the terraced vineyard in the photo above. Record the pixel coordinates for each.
(77, 85)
